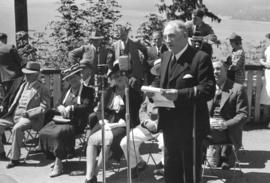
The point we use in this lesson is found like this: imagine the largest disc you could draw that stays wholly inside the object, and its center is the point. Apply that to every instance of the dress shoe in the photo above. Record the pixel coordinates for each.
(3, 156)
(225, 166)
(92, 180)
(77, 173)
(159, 172)
(159, 165)
(13, 163)
(141, 166)
(56, 172)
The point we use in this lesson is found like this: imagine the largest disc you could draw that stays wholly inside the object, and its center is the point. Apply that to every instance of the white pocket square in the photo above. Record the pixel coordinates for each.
(187, 76)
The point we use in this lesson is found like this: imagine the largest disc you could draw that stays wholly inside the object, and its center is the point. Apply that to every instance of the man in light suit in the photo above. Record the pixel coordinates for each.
(187, 79)
(228, 113)
(26, 111)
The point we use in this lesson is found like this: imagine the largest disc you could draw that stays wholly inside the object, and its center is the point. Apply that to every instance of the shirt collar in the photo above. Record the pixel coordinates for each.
(180, 53)
(86, 82)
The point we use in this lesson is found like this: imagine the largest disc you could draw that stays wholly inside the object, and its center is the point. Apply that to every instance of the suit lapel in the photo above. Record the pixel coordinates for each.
(164, 68)
(17, 97)
(183, 64)
(226, 92)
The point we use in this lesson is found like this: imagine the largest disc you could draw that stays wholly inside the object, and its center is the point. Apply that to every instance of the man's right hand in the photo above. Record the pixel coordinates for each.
(1, 108)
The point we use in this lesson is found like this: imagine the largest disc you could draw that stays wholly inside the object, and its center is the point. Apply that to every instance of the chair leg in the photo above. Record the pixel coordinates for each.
(31, 146)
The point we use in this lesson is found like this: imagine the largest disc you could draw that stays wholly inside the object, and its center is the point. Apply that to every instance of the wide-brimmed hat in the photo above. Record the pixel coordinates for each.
(96, 35)
(198, 13)
(71, 72)
(31, 68)
(155, 70)
(235, 37)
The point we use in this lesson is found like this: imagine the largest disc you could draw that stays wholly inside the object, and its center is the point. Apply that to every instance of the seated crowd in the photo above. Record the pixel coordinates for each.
(79, 107)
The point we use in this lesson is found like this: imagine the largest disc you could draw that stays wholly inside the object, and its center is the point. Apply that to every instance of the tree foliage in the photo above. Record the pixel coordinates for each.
(177, 9)
(73, 27)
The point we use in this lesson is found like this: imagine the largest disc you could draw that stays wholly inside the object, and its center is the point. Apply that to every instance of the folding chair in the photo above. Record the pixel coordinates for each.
(29, 142)
(152, 142)
(236, 163)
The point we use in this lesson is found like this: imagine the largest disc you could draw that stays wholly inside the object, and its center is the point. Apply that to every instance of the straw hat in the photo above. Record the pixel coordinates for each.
(31, 68)
(155, 70)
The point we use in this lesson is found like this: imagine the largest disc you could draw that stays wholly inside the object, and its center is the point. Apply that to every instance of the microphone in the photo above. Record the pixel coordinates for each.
(124, 63)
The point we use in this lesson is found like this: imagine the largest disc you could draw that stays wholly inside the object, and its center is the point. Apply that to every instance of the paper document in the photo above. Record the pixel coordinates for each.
(159, 100)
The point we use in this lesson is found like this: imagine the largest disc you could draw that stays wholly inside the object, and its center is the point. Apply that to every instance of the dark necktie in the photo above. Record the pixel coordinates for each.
(173, 63)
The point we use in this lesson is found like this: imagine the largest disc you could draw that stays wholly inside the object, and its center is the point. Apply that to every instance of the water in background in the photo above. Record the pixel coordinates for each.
(41, 12)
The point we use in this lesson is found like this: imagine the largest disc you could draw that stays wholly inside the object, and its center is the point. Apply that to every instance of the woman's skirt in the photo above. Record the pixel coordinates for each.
(58, 139)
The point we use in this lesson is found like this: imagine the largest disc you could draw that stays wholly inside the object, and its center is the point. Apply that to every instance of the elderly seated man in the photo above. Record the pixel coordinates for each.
(26, 111)
(228, 113)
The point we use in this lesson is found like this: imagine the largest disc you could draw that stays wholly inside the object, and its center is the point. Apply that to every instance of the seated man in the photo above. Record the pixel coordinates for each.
(26, 111)
(146, 130)
(228, 113)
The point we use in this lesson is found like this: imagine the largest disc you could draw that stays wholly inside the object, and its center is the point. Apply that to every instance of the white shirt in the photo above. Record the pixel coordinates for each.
(180, 53)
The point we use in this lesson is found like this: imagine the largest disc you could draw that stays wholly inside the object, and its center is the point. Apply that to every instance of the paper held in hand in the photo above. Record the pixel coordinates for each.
(159, 100)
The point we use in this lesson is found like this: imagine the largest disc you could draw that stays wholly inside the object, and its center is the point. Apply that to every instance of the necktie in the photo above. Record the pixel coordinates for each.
(173, 62)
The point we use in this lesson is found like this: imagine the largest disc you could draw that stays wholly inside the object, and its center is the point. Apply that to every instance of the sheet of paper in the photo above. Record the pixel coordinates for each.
(159, 100)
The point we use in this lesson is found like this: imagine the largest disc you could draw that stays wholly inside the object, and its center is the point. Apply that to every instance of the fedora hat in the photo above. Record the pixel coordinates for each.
(198, 13)
(155, 70)
(235, 37)
(31, 68)
(96, 35)
(70, 72)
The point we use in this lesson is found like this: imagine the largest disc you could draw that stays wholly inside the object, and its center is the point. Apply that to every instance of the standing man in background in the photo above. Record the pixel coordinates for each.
(187, 79)
(127, 46)
(10, 63)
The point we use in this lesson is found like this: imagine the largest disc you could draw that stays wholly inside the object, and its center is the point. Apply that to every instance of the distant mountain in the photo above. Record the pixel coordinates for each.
(258, 10)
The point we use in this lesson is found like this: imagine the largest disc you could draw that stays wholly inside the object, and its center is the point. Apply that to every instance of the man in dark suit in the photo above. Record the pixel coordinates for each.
(128, 46)
(187, 79)
(228, 113)
(10, 63)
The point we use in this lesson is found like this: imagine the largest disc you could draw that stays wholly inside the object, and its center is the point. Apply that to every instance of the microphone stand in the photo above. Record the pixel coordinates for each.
(101, 78)
(127, 128)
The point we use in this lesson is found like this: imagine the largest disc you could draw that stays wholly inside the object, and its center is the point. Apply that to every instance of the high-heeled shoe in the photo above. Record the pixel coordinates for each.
(92, 180)
(56, 172)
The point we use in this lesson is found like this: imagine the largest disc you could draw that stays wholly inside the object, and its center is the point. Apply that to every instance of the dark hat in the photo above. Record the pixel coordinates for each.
(96, 35)
(267, 35)
(198, 13)
(70, 72)
(3, 36)
(235, 37)
(31, 68)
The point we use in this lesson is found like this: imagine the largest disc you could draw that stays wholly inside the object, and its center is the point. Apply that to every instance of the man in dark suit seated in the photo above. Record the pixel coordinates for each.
(228, 113)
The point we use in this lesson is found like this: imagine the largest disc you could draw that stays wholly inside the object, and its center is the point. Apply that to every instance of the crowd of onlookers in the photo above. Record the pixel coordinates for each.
(208, 97)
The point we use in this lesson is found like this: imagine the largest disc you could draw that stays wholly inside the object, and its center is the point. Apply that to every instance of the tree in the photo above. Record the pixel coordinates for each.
(182, 9)
(72, 29)
(178, 9)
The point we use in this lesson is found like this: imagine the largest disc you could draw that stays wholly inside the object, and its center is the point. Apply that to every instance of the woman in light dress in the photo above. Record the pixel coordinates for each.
(265, 61)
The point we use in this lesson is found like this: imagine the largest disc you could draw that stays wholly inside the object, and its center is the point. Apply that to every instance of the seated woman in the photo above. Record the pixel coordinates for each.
(114, 106)
(68, 120)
